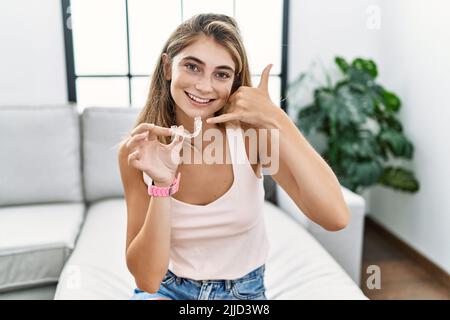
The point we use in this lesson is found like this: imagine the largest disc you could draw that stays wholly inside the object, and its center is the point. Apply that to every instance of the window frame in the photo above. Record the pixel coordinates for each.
(70, 60)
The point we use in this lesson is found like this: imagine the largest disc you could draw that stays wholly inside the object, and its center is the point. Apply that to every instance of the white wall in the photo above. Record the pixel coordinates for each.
(32, 63)
(416, 65)
(412, 50)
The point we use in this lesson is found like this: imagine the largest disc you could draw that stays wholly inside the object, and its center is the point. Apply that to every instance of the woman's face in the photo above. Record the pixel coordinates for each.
(202, 75)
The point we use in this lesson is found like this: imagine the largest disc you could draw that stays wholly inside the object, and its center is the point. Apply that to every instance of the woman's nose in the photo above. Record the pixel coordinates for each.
(204, 85)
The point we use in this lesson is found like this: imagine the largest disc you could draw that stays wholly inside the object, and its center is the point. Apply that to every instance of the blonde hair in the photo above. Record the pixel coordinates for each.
(159, 107)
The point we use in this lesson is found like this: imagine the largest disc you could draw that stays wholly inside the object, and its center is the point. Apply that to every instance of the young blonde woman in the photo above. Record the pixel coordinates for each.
(196, 231)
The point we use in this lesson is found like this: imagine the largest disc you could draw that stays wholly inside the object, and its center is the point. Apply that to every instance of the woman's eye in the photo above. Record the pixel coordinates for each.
(223, 75)
(191, 66)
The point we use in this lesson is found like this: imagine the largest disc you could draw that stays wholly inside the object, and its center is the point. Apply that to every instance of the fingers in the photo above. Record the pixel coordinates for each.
(264, 82)
(153, 129)
(224, 118)
(142, 128)
(132, 157)
(134, 141)
(176, 144)
(160, 131)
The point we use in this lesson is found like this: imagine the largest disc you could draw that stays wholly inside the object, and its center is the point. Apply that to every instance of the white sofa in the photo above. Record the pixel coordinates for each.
(63, 216)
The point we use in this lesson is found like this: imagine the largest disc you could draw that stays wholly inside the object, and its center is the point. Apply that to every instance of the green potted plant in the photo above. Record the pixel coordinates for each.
(358, 118)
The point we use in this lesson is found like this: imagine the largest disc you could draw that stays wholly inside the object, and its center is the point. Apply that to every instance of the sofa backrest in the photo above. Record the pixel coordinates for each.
(39, 155)
(103, 128)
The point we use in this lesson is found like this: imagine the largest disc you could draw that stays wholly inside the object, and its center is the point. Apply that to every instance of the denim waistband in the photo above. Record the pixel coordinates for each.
(257, 272)
(252, 274)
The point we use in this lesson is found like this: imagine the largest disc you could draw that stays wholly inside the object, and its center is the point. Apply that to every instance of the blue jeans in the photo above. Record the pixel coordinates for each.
(249, 287)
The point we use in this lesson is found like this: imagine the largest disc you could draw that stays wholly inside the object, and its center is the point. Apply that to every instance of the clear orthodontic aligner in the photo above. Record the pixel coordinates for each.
(187, 134)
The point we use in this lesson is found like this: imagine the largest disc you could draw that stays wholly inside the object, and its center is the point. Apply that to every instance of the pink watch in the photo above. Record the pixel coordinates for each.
(156, 191)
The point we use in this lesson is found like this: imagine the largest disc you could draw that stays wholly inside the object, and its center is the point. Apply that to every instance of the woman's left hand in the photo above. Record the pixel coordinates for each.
(250, 105)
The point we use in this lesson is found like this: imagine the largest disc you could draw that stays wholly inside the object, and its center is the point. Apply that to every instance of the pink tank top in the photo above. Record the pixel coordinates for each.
(225, 239)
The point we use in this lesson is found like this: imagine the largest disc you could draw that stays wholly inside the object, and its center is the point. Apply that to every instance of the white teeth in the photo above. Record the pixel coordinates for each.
(197, 99)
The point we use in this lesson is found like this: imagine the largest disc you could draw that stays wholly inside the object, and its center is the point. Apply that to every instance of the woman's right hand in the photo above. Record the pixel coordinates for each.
(159, 161)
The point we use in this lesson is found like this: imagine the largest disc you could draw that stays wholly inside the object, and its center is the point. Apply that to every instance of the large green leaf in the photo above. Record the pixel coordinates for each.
(362, 149)
(326, 100)
(357, 87)
(358, 104)
(341, 108)
(399, 178)
(360, 77)
(342, 64)
(391, 122)
(309, 118)
(365, 172)
(391, 101)
(367, 66)
(396, 142)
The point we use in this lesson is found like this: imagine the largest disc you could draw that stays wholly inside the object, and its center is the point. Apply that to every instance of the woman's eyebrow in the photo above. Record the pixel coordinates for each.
(202, 63)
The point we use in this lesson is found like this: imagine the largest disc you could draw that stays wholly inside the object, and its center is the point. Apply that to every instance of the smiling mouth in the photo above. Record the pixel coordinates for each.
(197, 100)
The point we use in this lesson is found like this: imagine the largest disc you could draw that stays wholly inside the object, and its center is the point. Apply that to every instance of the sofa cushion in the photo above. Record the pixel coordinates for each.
(103, 129)
(40, 155)
(97, 267)
(35, 242)
(297, 267)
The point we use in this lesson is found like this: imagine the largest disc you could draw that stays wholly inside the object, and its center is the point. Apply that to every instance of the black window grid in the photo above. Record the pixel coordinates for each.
(70, 60)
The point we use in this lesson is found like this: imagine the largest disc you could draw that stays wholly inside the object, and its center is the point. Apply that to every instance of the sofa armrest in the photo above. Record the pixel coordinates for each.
(345, 245)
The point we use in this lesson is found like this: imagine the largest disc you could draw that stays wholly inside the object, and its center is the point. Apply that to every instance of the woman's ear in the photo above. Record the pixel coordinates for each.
(167, 68)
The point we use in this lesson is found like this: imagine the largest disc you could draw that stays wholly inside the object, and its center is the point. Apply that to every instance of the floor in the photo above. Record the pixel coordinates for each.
(401, 276)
